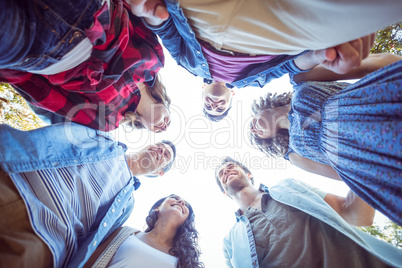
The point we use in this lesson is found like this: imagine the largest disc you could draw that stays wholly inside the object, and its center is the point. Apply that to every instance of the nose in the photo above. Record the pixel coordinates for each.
(213, 105)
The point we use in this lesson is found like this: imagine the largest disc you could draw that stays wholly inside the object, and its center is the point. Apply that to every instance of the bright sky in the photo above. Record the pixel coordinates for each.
(201, 145)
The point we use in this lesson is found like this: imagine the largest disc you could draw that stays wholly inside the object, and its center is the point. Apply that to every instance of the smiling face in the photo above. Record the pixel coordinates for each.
(266, 123)
(176, 208)
(233, 178)
(154, 158)
(217, 98)
(158, 120)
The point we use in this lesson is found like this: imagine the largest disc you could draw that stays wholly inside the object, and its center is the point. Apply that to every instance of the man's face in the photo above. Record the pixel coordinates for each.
(155, 157)
(217, 98)
(233, 178)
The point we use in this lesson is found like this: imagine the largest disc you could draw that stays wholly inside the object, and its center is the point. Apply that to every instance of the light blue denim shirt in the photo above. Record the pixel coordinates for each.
(179, 39)
(239, 246)
(75, 183)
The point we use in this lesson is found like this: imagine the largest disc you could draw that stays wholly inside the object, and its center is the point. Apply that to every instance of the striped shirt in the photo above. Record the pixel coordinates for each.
(74, 208)
(75, 183)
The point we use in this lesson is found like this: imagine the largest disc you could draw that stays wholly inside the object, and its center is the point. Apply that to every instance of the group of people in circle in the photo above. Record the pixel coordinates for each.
(87, 66)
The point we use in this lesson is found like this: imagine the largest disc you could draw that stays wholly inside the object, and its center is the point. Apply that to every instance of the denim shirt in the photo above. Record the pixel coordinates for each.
(31, 43)
(239, 246)
(179, 39)
(83, 200)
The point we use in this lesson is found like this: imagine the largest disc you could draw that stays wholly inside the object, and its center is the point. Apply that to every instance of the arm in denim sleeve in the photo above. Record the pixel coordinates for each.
(180, 44)
(281, 65)
(15, 29)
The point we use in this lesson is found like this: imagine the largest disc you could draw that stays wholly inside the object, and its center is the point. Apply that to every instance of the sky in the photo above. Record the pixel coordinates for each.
(200, 145)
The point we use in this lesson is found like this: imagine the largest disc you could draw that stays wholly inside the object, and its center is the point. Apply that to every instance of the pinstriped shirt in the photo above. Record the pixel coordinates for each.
(75, 206)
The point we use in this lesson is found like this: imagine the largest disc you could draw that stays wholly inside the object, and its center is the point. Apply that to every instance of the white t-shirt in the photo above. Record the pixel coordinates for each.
(135, 253)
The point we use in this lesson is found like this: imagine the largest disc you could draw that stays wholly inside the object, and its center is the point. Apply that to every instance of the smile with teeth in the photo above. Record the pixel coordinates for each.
(230, 174)
(178, 206)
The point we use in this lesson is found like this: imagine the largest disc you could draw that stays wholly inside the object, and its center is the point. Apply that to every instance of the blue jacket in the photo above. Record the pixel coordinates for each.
(181, 42)
(239, 245)
(81, 190)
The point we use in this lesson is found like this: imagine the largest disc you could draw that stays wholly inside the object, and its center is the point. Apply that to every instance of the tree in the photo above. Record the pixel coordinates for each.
(390, 233)
(389, 40)
(15, 112)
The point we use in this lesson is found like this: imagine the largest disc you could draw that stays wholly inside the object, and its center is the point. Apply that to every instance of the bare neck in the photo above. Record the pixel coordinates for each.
(248, 197)
(161, 237)
(134, 165)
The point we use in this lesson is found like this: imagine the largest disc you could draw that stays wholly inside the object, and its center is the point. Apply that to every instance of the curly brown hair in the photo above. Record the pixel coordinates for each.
(278, 145)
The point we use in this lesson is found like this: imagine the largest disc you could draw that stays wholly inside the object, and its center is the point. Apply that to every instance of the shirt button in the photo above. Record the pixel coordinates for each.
(203, 64)
(198, 52)
(124, 191)
(104, 224)
(77, 34)
(94, 243)
(118, 200)
(113, 210)
(244, 81)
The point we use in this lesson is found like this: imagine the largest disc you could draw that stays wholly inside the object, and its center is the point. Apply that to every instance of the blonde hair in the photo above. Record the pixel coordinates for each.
(158, 92)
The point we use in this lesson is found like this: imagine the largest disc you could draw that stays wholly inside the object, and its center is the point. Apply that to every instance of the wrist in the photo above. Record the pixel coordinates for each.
(306, 61)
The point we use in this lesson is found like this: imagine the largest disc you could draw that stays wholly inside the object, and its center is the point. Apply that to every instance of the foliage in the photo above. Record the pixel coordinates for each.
(390, 233)
(389, 40)
(15, 112)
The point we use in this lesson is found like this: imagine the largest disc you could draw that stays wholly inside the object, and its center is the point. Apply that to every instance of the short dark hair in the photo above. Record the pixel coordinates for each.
(228, 159)
(168, 166)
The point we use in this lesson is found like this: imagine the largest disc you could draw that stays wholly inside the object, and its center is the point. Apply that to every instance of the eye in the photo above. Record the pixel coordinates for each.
(207, 107)
(220, 174)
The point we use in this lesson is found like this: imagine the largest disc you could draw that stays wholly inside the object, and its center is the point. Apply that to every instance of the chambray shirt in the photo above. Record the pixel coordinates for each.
(239, 246)
(75, 183)
(179, 39)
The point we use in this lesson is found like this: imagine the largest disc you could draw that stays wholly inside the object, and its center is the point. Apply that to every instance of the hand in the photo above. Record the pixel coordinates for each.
(344, 57)
(153, 11)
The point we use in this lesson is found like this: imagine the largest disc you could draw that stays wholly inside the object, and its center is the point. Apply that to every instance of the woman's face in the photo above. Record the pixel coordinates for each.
(176, 208)
(264, 124)
(158, 120)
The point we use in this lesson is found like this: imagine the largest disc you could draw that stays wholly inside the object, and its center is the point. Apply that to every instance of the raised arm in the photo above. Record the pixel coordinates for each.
(339, 59)
(313, 167)
(351, 208)
(177, 40)
(372, 63)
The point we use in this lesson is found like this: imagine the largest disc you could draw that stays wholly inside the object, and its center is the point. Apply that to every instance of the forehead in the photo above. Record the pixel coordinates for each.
(224, 165)
(175, 196)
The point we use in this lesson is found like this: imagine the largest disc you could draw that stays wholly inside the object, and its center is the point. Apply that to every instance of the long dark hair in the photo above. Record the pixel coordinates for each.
(185, 243)
(276, 146)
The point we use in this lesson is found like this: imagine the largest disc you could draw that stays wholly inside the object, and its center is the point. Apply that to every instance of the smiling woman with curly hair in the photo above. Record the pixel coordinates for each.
(169, 241)
(342, 131)
(276, 145)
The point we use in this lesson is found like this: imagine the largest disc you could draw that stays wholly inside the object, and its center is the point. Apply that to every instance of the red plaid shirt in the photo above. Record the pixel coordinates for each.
(99, 91)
